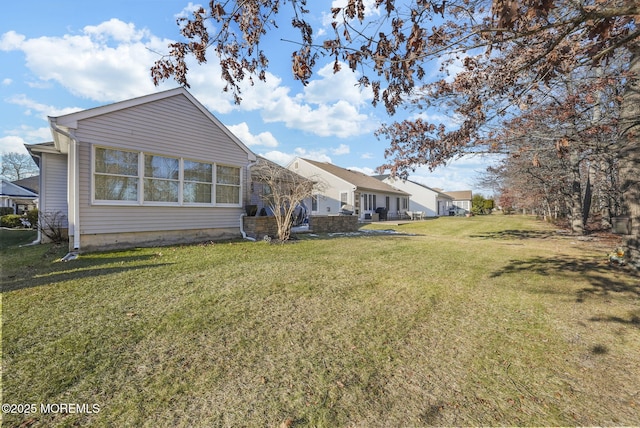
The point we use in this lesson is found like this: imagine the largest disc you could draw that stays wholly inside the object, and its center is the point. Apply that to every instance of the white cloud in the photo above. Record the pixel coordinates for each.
(282, 158)
(7, 81)
(343, 149)
(365, 170)
(12, 143)
(42, 110)
(241, 131)
(106, 62)
(11, 41)
(332, 87)
(116, 30)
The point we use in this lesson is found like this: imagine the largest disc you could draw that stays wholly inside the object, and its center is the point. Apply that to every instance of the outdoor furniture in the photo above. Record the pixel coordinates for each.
(418, 215)
(409, 214)
(382, 212)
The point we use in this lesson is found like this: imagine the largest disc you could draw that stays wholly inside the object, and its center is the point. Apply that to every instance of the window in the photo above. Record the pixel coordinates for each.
(227, 185)
(116, 175)
(126, 177)
(314, 203)
(161, 179)
(198, 182)
(344, 197)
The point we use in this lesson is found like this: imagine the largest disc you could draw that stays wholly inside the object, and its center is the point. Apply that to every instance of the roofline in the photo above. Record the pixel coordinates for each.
(392, 190)
(70, 121)
(33, 194)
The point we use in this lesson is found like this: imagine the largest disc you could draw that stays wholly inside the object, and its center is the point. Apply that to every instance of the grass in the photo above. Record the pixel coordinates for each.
(495, 320)
(11, 238)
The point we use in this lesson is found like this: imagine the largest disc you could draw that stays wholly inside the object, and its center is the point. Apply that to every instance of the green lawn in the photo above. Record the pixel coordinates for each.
(495, 320)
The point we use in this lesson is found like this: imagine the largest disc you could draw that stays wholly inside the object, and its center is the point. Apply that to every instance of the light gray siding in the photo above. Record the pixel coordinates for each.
(173, 127)
(53, 186)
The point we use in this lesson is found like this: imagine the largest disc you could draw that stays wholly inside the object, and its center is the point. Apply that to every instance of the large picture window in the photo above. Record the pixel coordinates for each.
(161, 178)
(227, 185)
(121, 176)
(116, 175)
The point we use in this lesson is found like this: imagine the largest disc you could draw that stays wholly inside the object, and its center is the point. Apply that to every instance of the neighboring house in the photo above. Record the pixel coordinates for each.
(260, 189)
(158, 169)
(461, 201)
(344, 191)
(18, 198)
(29, 183)
(430, 201)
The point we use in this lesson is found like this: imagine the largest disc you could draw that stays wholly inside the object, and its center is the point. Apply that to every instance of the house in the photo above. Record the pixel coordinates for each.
(461, 201)
(17, 198)
(424, 199)
(154, 170)
(345, 191)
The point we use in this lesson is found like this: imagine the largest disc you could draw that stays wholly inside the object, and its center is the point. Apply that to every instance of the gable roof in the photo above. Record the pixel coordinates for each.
(360, 180)
(460, 195)
(60, 124)
(439, 192)
(29, 183)
(10, 189)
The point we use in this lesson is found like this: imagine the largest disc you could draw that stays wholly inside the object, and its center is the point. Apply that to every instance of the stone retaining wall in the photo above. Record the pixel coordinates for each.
(258, 227)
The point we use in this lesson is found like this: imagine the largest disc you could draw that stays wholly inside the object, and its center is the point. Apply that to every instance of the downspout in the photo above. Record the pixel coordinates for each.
(72, 171)
(38, 228)
(244, 234)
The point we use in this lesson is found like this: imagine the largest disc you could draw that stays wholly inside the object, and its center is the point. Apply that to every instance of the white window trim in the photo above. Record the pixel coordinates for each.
(141, 202)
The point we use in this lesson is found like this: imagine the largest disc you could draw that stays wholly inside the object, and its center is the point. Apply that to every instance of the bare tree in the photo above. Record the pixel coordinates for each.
(286, 192)
(16, 166)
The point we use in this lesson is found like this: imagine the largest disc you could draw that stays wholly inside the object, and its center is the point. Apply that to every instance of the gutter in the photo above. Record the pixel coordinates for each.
(73, 198)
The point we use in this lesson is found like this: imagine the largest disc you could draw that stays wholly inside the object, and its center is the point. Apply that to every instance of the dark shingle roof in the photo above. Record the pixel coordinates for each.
(360, 180)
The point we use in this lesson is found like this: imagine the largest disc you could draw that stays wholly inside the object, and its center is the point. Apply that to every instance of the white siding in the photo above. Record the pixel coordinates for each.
(422, 198)
(172, 127)
(53, 190)
(330, 185)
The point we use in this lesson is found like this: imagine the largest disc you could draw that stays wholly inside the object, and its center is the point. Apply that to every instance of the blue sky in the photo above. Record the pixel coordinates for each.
(66, 55)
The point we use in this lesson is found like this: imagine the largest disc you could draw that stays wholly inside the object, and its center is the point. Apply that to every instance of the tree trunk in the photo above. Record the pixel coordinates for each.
(577, 223)
(629, 154)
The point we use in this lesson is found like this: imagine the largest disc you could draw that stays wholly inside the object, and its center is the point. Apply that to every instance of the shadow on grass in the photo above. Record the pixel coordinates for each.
(516, 234)
(604, 278)
(76, 270)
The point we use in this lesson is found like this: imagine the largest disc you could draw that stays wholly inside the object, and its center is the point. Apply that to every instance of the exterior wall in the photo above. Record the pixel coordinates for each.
(331, 188)
(171, 127)
(110, 241)
(464, 206)
(53, 184)
(422, 198)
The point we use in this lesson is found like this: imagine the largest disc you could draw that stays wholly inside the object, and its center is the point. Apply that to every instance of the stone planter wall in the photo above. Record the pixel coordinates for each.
(258, 227)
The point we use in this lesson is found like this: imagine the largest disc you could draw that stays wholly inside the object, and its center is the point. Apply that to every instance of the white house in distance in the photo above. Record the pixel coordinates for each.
(158, 169)
(344, 190)
(430, 201)
(461, 200)
(16, 197)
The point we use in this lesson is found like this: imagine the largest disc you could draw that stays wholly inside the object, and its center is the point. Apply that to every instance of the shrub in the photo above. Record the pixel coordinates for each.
(6, 211)
(51, 225)
(11, 220)
(32, 217)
